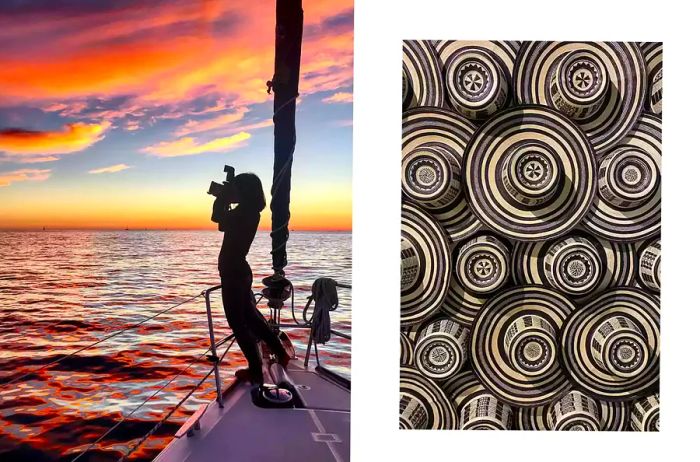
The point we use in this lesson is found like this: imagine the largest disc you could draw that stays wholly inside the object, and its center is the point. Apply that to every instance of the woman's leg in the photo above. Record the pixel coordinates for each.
(258, 325)
(234, 294)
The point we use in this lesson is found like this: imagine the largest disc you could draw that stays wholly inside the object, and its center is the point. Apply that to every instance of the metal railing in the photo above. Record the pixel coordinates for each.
(212, 343)
(275, 324)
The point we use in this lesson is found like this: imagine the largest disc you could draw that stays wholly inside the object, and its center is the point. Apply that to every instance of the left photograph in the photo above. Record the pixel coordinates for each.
(175, 230)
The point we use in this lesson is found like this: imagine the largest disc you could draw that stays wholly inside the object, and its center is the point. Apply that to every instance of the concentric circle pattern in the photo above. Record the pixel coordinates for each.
(645, 414)
(649, 265)
(578, 264)
(514, 346)
(481, 267)
(611, 345)
(477, 75)
(653, 55)
(531, 235)
(423, 404)
(574, 412)
(406, 350)
(441, 348)
(422, 77)
(628, 204)
(425, 264)
(610, 416)
(433, 145)
(477, 409)
(529, 173)
(600, 85)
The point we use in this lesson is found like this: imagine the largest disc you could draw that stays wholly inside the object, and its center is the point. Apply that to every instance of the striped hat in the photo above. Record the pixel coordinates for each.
(425, 264)
(530, 173)
(600, 85)
(514, 346)
(611, 345)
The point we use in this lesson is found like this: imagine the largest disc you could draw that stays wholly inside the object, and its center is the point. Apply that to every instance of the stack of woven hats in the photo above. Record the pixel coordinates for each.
(530, 240)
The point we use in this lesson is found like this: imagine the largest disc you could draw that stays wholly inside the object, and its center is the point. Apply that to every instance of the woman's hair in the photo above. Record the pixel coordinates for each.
(250, 191)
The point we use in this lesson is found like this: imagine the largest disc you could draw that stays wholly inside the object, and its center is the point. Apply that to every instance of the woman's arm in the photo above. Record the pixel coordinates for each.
(221, 214)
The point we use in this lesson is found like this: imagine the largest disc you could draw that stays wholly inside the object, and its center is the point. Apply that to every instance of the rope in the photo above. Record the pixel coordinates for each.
(325, 294)
(124, 418)
(80, 350)
(172, 411)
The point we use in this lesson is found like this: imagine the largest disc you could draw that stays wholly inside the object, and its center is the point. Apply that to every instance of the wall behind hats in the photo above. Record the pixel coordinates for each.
(380, 26)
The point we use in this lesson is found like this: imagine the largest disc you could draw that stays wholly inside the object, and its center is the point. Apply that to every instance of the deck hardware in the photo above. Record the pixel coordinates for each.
(326, 438)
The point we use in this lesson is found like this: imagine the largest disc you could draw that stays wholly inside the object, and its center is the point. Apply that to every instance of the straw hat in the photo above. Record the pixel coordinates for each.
(628, 204)
(611, 346)
(645, 414)
(425, 264)
(477, 409)
(530, 173)
(433, 145)
(481, 267)
(423, 405)
(422, 83)
(406, 350)
(477, 75)
(578, 264)
(653, 56)
(514, 345)
(610, 416)
(649, 265)
(441, 348)
(600, 85)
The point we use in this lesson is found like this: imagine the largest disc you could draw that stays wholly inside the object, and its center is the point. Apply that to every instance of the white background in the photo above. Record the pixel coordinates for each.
(380, 25)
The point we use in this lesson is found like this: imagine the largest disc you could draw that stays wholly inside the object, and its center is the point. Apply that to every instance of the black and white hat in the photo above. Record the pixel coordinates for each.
(628, 202)
(530, 173)
(423, 404)
(477, 75)
(611, 345)
(600, 85)
(514, 346)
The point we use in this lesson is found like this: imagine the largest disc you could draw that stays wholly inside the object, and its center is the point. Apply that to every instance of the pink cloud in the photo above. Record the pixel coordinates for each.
(16, 176)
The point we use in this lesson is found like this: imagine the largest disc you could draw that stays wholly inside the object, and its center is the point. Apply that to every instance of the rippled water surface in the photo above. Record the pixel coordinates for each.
(64, 290)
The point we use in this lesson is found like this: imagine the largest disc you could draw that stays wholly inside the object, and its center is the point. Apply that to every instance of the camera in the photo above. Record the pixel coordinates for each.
(217, 189)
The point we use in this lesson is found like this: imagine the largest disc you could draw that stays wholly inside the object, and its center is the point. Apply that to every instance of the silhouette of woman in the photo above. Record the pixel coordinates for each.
(239, 225)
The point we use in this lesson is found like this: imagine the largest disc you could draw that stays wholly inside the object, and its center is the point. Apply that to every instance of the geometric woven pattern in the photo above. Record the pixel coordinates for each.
(531, 224)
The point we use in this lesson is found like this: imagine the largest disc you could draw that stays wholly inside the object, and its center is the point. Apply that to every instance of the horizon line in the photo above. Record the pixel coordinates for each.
(46, 228)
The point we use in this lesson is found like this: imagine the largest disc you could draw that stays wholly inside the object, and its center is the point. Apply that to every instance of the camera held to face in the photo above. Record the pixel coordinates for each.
(226, 189)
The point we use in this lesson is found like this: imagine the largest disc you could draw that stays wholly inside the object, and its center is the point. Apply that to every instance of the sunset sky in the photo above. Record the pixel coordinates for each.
(115, 114)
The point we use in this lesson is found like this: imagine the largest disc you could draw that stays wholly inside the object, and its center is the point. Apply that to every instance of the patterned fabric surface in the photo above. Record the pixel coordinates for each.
(530, 235)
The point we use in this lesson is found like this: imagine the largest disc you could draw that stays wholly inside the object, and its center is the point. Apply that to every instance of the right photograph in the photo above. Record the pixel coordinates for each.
(530, 235)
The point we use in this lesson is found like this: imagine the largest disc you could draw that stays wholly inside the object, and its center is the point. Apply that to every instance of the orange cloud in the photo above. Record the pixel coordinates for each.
(110, 169)
(188, 146)
(340, 97)
(7, 178)
(174, 52)
(35, 146)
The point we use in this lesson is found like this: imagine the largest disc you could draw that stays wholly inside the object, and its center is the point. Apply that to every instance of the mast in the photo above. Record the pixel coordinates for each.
(285, 84)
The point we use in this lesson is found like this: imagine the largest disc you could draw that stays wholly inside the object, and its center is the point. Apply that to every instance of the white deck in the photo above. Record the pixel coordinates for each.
(242, 432)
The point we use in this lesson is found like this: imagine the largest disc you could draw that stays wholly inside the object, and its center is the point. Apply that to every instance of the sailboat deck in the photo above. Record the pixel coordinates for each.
(241, 431)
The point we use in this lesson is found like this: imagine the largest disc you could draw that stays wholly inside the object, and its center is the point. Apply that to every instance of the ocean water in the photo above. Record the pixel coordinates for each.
(63, 290)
